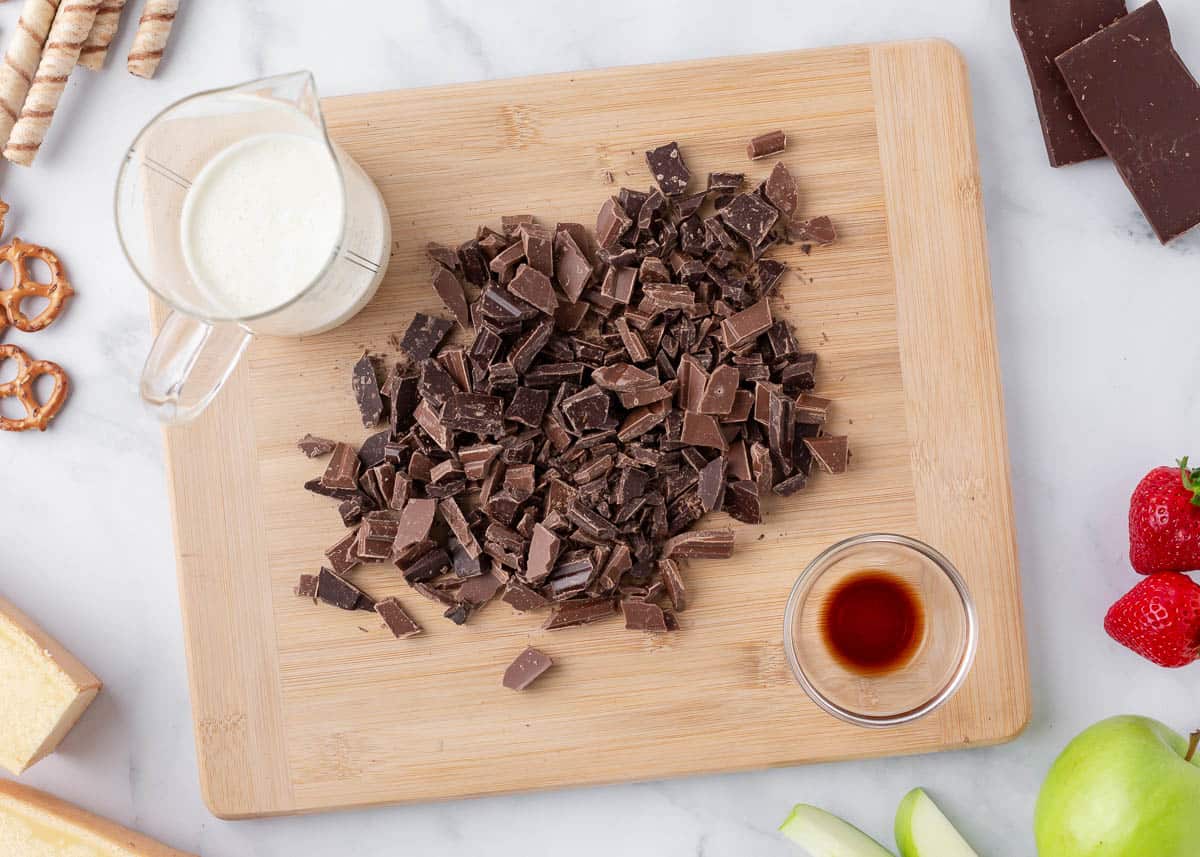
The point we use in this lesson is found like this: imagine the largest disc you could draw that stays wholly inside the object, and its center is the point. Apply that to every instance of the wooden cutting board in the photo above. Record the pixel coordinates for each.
(301, 707)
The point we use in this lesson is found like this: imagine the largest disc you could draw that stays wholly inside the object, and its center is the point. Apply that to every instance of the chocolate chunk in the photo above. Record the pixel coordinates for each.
(573, 270)
(424, 335)
(770, 143)
(306, 587)
(611, 223)
(427, 566)
(529, 666)
(624, 377)
(781, 431)
(450, 290)
(719, 391)
(435, 385)
(343, 555)
(376, 534)
(474, 264)
(530, 345)
(791, 485)
(1044, 31)
(672, 578)
(643, 616)
(749, 216)
(452, 514)
(812, 409)
(780, 190)
(703, 430)
(415, 523)
(543, 552)
(537, 242)
(832, 454)
(365, 383)
(747, 325)
(522, 598)
(591, 522)
(534, 287)
(817, 230)
(587, 409)
(458, 614)
(315, 447)
(527, 406)
(711, 485)
(669, 171)
(443, 256)
(716, 544)
(726, 181)
(1143, 105)
(478, 591)
(742, 502)
(335, 590)
(396, 619)
(474, 412)
(572, 613)
(342, 470)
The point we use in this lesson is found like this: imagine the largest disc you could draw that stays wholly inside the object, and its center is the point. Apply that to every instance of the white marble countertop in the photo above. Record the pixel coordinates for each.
(1101, 380)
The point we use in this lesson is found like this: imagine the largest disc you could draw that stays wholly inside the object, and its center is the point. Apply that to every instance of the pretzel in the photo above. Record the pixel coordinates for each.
(3, 215)
(37, 416)
(25, 286)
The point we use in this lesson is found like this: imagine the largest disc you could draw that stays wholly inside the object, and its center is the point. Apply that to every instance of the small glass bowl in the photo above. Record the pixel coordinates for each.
(940, 660)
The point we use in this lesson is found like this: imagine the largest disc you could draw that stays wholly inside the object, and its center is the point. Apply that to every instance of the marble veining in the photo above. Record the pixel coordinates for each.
(1101, 383)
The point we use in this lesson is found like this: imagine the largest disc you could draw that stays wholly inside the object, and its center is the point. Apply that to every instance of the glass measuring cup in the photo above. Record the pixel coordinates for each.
(206, 332)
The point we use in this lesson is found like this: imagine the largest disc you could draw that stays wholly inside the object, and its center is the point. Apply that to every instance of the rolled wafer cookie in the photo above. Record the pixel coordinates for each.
(70, 29)
(95, 49)
(21, 60)
(154, 28)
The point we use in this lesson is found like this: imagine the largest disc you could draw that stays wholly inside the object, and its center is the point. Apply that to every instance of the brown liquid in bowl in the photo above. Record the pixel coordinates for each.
(873, 622)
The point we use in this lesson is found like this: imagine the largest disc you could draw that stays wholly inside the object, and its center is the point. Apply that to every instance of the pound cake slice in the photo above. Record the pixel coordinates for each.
(43, 690)
(35, 824)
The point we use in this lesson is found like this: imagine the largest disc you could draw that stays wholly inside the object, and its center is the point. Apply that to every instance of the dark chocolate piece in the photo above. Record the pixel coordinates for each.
(342, 470)
(543, 551)
(315, 447)
(1139, 99)
(717, 544)
(365, 383)
(572, 613)
(537, 242)
(747, 325)
(1044, 31)
(770, 143)
(672, 578)
(396, 619)
(528, 667)
(780, 190)
(474, 412)
(306, 587)
(611, 223)
(742, 502)
(376, 534)
(711, 484)
(527, 406)
(534, 287)
(424, 335)
(479, 590)
(720, 391)
(343, 555)
(450, 290)
(523, 598)
(335, 590)
(816, 230)
(669, 171)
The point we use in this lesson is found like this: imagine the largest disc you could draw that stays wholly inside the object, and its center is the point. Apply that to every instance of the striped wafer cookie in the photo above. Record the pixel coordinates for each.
(70, 29)
(154, 28)
(95, 49)
(21, 60)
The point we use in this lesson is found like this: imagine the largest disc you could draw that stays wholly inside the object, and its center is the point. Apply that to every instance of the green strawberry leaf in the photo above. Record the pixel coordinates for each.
(1191, 480)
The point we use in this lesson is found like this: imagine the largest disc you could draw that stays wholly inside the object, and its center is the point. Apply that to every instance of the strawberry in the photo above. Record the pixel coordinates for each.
(1164, 520)
(1159, 619)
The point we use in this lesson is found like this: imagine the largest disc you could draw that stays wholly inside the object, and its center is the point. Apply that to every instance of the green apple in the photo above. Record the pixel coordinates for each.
(923, 831)
(823, 834)
(1126, 787)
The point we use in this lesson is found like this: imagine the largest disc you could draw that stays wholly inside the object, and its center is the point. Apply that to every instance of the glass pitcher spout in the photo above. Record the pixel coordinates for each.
(297, 88)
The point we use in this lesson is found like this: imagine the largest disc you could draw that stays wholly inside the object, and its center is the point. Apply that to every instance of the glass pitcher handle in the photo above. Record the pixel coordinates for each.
(188, 363)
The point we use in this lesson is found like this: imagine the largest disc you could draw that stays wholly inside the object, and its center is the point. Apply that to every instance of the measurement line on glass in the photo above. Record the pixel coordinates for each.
(361, 261)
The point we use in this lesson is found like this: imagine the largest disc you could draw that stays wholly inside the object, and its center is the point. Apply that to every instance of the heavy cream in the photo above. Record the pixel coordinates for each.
(261, 221)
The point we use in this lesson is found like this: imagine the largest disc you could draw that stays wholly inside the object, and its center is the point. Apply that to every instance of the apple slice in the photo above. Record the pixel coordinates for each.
(823, 834)
(923, 831)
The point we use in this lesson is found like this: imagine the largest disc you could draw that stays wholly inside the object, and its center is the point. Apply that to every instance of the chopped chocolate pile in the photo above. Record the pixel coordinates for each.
(617, 387)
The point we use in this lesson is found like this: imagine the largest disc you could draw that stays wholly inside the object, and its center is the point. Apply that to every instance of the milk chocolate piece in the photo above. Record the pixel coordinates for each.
(816, 230)
(572, 613)
(643, 616)
(749, 216)
(831, 454)
(703, 430)
(315, 447)
(719, 391)
(791, 485)
(716, 544)
(591, 522)
(1044, 31)
(343, 555)
(711, 485)
(522, 598)
(415, 523)
(534, 287)
(443, 256)
(623, 377)
(573, 268)
(427, 566)
(587, 409)
(342, 470)
(672, 578)
(394, 617)
(450, 290)
(812, 409)
(424, 335)
(528, 667)
(479, 590)
(474, 264)
(770, 143)
(1139, 99)
(747, 325)
(537, 242)
(543, 551)
(611, 223)
(306, 587)
(669, 171)
(780, 190)
(726, 181)
(335, 590)
(742, 502)
(452, 514)
(376, 534)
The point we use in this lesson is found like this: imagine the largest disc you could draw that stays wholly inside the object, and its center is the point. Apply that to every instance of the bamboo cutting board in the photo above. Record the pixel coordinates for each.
(301, 707)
